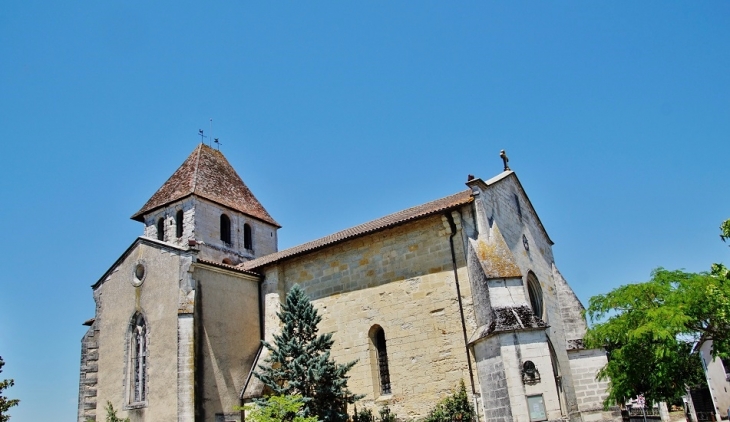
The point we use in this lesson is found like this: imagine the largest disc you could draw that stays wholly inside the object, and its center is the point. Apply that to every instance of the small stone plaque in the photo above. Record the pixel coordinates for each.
(536, 406)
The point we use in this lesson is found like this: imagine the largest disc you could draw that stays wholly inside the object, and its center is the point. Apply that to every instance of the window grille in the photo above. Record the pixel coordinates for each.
(382, 361)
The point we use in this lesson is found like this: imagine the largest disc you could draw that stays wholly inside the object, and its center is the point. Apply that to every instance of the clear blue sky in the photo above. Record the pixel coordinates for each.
(615, 115)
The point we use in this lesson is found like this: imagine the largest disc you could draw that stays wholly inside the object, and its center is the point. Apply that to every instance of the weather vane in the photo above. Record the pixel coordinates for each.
(217, 143)
(202, 137)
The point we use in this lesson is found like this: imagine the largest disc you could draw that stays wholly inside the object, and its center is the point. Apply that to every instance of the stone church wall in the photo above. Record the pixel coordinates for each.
(584, 365)
(157, 299)
(228, 338)
(402, 280)
(201, 221)
(88, 376)
(515, 221)
(207, 229)
(168, 214)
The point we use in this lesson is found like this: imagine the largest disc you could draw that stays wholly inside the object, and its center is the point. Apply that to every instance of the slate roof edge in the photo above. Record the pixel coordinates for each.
(358, 231)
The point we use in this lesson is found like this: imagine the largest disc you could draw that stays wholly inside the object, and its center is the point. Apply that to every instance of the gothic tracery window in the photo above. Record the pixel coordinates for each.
(138, 360)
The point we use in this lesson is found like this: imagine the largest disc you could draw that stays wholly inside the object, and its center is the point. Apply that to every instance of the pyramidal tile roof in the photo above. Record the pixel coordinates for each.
(206, 173)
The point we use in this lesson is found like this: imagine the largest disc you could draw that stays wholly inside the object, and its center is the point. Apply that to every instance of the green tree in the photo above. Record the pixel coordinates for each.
(454, 408)
(364, 415)
(5, 403)
(278, 409)
(111, 414)
(720, 270)
(386, 415)
(649, 330)
(299, 362)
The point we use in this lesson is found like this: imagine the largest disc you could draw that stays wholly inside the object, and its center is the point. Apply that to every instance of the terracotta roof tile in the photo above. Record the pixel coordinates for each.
(391, 220)
(227, 267)
(207, 174)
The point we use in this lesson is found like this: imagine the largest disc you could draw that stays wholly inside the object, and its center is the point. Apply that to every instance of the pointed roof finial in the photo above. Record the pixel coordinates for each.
(505, 160)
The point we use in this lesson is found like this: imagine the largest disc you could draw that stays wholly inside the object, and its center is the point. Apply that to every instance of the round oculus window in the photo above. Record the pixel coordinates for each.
(139, 273)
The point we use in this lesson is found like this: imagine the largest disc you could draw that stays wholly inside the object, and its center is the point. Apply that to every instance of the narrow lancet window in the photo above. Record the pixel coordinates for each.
(377, 336)
(138, 360)
(247, 241)
(161, 229)
(225, 229)
(179, 224)
(535, 292)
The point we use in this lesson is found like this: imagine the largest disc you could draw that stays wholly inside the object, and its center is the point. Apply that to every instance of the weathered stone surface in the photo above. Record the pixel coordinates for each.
(402, 280)
(397, 273)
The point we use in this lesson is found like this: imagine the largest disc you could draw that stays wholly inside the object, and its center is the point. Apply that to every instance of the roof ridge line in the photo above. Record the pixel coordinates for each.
(197, 165)
(388, 221)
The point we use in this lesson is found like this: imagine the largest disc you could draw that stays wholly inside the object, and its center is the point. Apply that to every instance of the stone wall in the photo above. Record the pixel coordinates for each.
(493, 381)
(402, 280)
(201, 221)
(228, 337)
(584, 365)
(169, 214)
(571, 311)
(207, 229)
(717, 379)
(120, 295)
(519, 224)
(88, 376)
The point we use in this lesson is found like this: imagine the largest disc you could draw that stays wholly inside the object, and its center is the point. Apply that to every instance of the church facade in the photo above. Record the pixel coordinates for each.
(461, 288)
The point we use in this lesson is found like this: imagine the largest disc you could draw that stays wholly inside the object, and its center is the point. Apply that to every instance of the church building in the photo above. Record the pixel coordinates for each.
(464, 287)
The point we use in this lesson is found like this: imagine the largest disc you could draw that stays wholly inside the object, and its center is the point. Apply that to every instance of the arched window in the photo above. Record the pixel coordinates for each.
(535, 292)
(161, 229)
(377, 337)
(247, 241)
(138, 340)
(179, 224)
(225, 229)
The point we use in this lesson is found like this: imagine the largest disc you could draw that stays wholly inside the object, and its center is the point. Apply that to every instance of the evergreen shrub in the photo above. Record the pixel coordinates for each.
(454, 408)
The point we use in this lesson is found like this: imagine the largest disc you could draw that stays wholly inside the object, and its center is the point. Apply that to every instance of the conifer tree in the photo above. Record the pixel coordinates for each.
(299, 362)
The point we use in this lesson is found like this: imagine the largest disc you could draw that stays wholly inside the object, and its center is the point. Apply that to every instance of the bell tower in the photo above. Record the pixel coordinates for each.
(205, 205)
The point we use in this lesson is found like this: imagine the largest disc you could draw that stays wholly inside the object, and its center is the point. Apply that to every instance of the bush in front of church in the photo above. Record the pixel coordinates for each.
(454, 408)
(278, 409)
